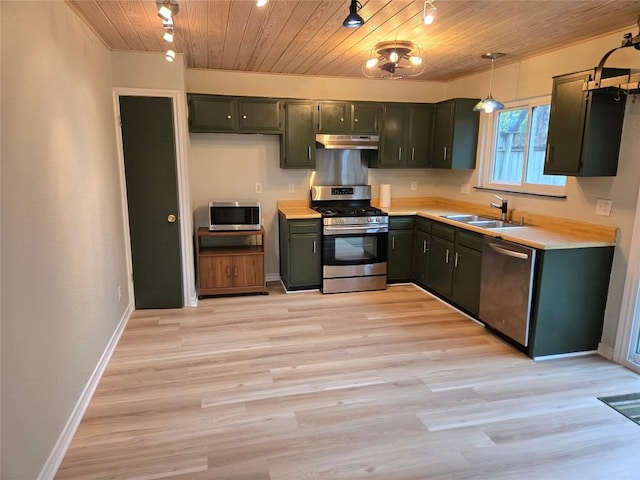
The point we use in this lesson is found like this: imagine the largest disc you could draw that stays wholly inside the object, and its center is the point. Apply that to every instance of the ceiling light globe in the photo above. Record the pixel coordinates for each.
(394, 57)
(415, 60)
(428, 19)
(372, 62)
(261, 3)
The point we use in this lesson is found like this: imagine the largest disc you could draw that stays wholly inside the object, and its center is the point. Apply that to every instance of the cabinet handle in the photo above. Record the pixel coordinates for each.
(341, 119)
(455, 263)
(393, 243)
(399, 153)
(445, 154)
(314, 246)
(355, 120)
(413, 153)
(235, 271)
(548, 157)
(228, 271)
(244, 117)
(309, 153)
(425, 246)
(228, 117)
(447, 257)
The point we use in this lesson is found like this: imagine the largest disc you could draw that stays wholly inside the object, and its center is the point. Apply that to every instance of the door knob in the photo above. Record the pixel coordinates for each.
(171, 218)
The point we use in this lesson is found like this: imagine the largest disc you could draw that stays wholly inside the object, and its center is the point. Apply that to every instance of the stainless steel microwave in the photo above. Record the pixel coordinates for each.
(243, 215)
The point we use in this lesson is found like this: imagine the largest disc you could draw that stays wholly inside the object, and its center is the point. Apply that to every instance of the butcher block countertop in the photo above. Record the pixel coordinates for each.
(539, 231)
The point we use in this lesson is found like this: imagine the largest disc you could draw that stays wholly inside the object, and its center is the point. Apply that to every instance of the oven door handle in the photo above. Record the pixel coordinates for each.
(337, 230)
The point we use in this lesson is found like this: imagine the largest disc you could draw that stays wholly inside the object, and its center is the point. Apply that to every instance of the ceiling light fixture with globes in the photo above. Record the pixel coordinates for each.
(167, 9)
(394, 59)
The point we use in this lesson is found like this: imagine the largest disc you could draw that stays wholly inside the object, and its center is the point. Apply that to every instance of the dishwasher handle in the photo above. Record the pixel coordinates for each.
(510, 253)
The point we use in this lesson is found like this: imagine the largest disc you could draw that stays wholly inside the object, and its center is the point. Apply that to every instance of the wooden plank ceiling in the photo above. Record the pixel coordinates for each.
(306, 36)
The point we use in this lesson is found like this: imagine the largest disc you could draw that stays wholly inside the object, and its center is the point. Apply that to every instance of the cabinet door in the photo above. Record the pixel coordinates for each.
(400, 255)
(441, 265)
(248, 271)
(393, 150)
(298, 144)
(209, 113)
(332, 117)
(443, 135)
(419, 136)
(466, 278)
(566, 125)
(364, 118)
(421, 257)
(304, 265)
(258, 115)
(215, 272)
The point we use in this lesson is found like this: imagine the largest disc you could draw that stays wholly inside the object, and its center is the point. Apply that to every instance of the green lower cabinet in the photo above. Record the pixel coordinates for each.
(400, 249)
(440, 272)
(465, 291)
(300, 253)
(421, 254)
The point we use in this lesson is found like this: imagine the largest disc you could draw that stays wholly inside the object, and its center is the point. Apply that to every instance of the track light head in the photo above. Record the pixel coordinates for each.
(353, 20)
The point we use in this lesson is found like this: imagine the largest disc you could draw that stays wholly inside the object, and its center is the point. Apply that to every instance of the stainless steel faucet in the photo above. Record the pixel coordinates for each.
(504, 208)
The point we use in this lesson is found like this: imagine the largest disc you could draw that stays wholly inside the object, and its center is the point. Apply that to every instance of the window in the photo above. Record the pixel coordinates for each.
(516, 140)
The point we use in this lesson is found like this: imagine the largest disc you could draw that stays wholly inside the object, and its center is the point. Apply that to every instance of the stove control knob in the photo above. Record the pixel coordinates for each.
(370, 219)
(342, 220)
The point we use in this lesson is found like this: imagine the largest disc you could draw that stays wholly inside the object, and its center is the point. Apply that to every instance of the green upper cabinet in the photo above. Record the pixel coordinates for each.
(455, 134)
(298, 143)
(584, 129)
(365, 118)
(405, 140)
(212, 113)
(347, 117)
(259, 115)
(333, 117)
(419, 136)
(220, 114)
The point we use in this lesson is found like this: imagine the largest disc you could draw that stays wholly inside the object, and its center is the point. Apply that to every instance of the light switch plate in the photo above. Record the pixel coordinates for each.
(258, 188)
(291, 188)
(414, 185)
(465, 188)
(603, 207)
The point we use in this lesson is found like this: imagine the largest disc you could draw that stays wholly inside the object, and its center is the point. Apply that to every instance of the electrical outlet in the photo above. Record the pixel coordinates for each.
(603, 207)
(291, 188)
(258, 188)
(119, 293)
(414, 185)
(465, 188)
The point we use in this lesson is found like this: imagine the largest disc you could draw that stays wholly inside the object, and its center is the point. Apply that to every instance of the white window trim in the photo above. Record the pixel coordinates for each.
(486, 148)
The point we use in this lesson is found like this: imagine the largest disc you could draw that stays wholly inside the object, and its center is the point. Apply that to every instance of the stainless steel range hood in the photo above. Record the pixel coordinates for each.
(347, 142)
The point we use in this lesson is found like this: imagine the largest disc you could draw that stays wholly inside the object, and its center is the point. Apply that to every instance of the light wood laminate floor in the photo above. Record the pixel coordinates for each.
(391, 385)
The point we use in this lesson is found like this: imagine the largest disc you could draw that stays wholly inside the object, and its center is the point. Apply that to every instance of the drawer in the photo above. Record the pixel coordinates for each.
(304, 226)
(401, 223)
(469, 240)
(443, 231)
(423, 225)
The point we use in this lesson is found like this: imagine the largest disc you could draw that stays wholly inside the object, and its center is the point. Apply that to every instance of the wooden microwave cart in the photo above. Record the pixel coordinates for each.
(230, 262)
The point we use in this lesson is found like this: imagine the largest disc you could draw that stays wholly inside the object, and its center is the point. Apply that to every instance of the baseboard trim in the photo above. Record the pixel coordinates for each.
(606, 351)
(59, 450)
(272, 277)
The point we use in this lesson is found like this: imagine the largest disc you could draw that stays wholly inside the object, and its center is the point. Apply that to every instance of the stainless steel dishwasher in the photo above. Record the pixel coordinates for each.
(506, 287)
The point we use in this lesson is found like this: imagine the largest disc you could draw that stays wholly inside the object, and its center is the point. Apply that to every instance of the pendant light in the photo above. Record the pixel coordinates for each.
(490, 104)
(353, 20)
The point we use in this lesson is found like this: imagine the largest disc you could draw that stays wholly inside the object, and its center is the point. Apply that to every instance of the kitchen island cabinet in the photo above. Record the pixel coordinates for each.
(300, 253)
(230, 262)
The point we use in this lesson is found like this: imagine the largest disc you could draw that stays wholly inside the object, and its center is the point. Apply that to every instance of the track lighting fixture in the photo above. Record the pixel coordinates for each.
(353, 20)
(170, 56)
(167, 9)
(168, 36)
(428, 12)
(490, 104)
(261, 3)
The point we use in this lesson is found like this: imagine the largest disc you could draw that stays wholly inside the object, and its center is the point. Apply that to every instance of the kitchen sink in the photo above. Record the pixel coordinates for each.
(492, 224)
(465, 218)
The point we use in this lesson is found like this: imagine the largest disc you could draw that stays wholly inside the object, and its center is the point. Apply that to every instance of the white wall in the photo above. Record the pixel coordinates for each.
(533, 77)
(63, 254)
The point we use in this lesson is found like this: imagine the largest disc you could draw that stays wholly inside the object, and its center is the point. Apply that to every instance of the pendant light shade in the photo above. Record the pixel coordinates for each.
(490, 104)
(353, 20)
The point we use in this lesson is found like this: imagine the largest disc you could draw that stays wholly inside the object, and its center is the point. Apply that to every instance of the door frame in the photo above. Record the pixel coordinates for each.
(189, 296)
(629, 322)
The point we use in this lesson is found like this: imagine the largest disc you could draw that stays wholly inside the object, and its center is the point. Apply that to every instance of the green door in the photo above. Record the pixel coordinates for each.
(298, 143)
(364, 118)
(259, 115)
(421, 257)
(152, 197)
(443, 134)
(466, 278)
(332, 117)
(441, 265)
(400, 255)
(419, 137)
(392, 151)
(208, 113)
(305, 260)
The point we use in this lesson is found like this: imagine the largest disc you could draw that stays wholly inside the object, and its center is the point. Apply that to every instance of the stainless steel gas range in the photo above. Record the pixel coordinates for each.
(354, 238)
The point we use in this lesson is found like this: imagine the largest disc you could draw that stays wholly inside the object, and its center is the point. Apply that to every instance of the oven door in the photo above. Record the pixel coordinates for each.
(354, 261)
